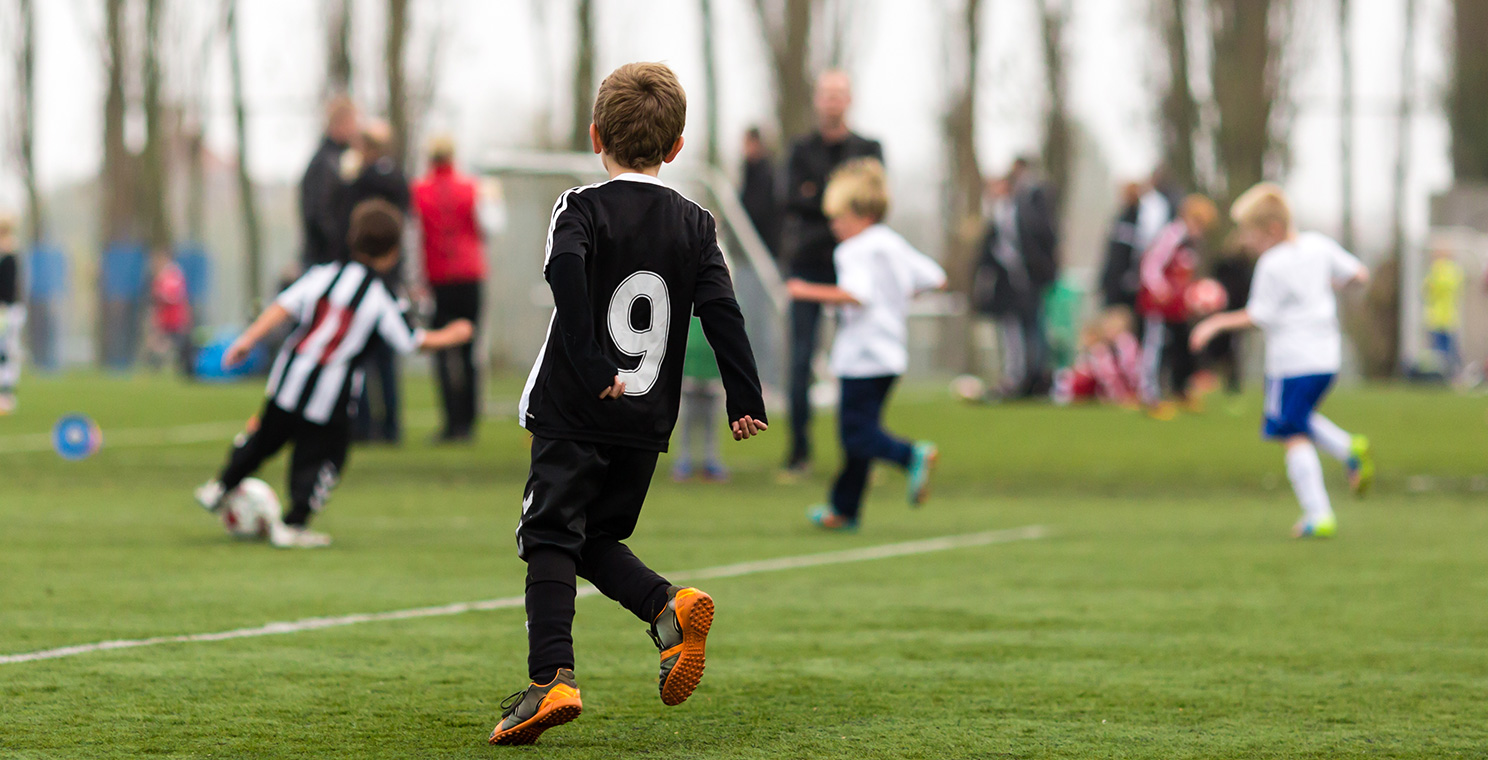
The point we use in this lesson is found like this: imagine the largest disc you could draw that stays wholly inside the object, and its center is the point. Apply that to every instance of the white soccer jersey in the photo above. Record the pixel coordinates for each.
(340, 308)
(883, 272)
(1292, 300)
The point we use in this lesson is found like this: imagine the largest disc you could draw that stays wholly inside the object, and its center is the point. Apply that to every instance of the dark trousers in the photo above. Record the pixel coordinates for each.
(860, 424)
(314, 466)
(1224, 351)
(1178, 358)
(582, 501)
(459, 382)
(805, 329)
(380, 367)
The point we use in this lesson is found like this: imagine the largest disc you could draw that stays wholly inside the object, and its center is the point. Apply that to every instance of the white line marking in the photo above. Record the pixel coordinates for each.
(883, 551)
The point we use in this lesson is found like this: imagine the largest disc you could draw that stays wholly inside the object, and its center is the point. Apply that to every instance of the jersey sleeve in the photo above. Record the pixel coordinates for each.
(571, 229)
(854, 273)
(1342, 264)
(393, 324)
(925, 272)
(297, 297)
(1267, 293)
(713, 279)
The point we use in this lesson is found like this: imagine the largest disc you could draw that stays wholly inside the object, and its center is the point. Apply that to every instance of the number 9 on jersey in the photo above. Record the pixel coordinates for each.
(649, 344)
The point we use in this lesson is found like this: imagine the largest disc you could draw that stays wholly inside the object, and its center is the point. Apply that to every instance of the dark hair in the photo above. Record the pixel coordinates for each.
(376, 229)
(753, 133)
(639, 113)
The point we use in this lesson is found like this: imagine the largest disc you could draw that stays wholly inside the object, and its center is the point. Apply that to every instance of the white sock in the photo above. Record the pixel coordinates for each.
(1306, 473)
(1332, 439)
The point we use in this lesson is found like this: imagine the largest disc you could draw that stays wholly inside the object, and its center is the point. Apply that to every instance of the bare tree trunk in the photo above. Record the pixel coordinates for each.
(1403, 115)
(963, 207)
(251, 231)
(118, 190)
(1245, 70)
(338, 47)
(1179, 110)
(1467, 109)
(1346, 119)
(154, 175)
(787, 29)
(710, 74)
(397, 82)
(26, 97)
(583, 78)
(1054, 17)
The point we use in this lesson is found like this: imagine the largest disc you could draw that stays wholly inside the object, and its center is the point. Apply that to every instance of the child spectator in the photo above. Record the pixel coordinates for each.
(1109, 366)
(701, 383)
(170, 315)
(1444, 310)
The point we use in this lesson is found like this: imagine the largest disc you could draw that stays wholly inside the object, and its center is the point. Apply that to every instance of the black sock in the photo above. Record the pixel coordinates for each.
(620, 575)
(298, 517)
(551, 586)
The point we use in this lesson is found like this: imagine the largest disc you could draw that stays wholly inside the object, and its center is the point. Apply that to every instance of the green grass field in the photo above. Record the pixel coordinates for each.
(1167, 614)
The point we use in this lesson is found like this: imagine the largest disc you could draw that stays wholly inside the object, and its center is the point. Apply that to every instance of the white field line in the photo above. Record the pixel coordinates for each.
(883, 551)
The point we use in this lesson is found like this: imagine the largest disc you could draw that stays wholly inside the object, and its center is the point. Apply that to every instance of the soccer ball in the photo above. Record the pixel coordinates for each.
(250, 510)
(968, 388)
(1205, 297)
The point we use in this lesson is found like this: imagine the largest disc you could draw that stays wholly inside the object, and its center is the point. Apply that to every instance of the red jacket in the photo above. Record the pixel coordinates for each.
(445, 202)
(1167, 269)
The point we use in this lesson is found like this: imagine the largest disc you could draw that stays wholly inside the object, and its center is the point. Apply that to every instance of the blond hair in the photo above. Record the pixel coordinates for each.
(1261, 206)
(1197, 208)
(442, 149)
(639, 113)
(858, 187)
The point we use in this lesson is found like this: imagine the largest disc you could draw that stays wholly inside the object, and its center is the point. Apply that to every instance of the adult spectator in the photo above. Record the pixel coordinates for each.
(446, 204)
(808, 239)
(320, 189)
(1031, 229)
(1120, 275)
(757, 191)
(1001, 290)
(1157, 207)
(377, 176)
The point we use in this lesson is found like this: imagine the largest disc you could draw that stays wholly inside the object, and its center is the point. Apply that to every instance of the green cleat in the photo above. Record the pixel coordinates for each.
(921, 462)
(826, 518)
(1324, 528)
(1360, 466)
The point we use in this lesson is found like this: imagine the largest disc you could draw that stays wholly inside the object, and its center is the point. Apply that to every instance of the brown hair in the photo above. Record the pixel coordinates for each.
(639, 113)
(376, 229)
(1200, 210)
(857, 187)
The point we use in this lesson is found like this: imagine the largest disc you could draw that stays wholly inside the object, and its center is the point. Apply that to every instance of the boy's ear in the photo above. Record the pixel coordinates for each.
(672, 154)
(594, 139)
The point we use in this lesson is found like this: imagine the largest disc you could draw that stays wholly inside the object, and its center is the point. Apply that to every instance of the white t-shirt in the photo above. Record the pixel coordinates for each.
(883, 272)
(1292, 300)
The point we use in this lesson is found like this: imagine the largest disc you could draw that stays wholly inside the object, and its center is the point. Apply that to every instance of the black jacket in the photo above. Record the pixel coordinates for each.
(1121, 274)
(320, 191)
(1038, 234)
(808, 236)
(757, 194)
(382, 179)
(996, 291)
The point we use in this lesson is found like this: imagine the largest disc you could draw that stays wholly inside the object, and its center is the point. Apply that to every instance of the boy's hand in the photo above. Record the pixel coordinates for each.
(1202, 334)
(236, 353)
(461, 330)
(747, 426)
(614, 391)
(796, 287)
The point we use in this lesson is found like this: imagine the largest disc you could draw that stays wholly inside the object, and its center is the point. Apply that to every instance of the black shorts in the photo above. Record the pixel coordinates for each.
(579, 491)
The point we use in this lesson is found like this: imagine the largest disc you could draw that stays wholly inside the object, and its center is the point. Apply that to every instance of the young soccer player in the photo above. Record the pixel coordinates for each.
(1293, 303)
(629, 261)
(12, 314)
(1443, 291)
(700, 394)
(341, 308)
(878, 273)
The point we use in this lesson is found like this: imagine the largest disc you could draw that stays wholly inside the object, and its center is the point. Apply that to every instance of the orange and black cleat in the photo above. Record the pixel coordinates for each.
(528, 713)
(681, 633)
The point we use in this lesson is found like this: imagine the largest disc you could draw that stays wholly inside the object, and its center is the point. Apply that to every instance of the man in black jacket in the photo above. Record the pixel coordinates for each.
(757, 191)
(1027, 233)
(808, 238)
(1120, 276)
(320, 189)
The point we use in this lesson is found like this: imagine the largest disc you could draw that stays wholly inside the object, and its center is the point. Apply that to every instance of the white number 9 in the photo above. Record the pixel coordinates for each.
(649, 344)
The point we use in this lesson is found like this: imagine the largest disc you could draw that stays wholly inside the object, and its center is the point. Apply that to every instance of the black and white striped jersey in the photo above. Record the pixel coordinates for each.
(650, 257)
(340, 307)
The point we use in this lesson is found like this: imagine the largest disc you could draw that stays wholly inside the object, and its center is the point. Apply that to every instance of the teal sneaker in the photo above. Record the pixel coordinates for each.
(1324, 528)
(921, 463)
(1360, 466)
(826, 518)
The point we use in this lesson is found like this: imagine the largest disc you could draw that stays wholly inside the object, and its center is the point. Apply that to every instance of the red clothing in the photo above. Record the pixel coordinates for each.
(1167, 269)
(172, 307)
(445, 202)
(1109, 372)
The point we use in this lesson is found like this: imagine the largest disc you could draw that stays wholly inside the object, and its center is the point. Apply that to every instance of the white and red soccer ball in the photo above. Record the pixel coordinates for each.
(251, 509)
(1205, 297)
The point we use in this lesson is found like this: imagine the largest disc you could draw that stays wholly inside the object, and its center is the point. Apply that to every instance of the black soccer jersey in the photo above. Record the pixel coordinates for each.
(650, 258)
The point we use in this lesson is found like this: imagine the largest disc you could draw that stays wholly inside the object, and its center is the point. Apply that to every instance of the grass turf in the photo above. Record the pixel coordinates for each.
(1167, 616)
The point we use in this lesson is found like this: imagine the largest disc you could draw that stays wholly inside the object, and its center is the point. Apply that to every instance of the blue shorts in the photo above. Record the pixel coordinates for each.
(1290, 402)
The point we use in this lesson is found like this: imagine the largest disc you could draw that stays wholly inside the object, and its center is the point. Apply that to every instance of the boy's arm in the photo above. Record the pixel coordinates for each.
(723, 325)
(1229, 321)
(802, 290)
(575, 316)
(271, 318)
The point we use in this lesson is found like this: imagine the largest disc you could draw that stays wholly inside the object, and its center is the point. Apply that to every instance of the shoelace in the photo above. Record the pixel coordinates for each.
(509, 705)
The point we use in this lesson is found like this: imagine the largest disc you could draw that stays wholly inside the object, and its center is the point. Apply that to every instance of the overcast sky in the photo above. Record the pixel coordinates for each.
(499, 69)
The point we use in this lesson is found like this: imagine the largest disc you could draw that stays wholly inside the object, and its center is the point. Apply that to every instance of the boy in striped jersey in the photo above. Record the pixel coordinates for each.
(341, 309)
